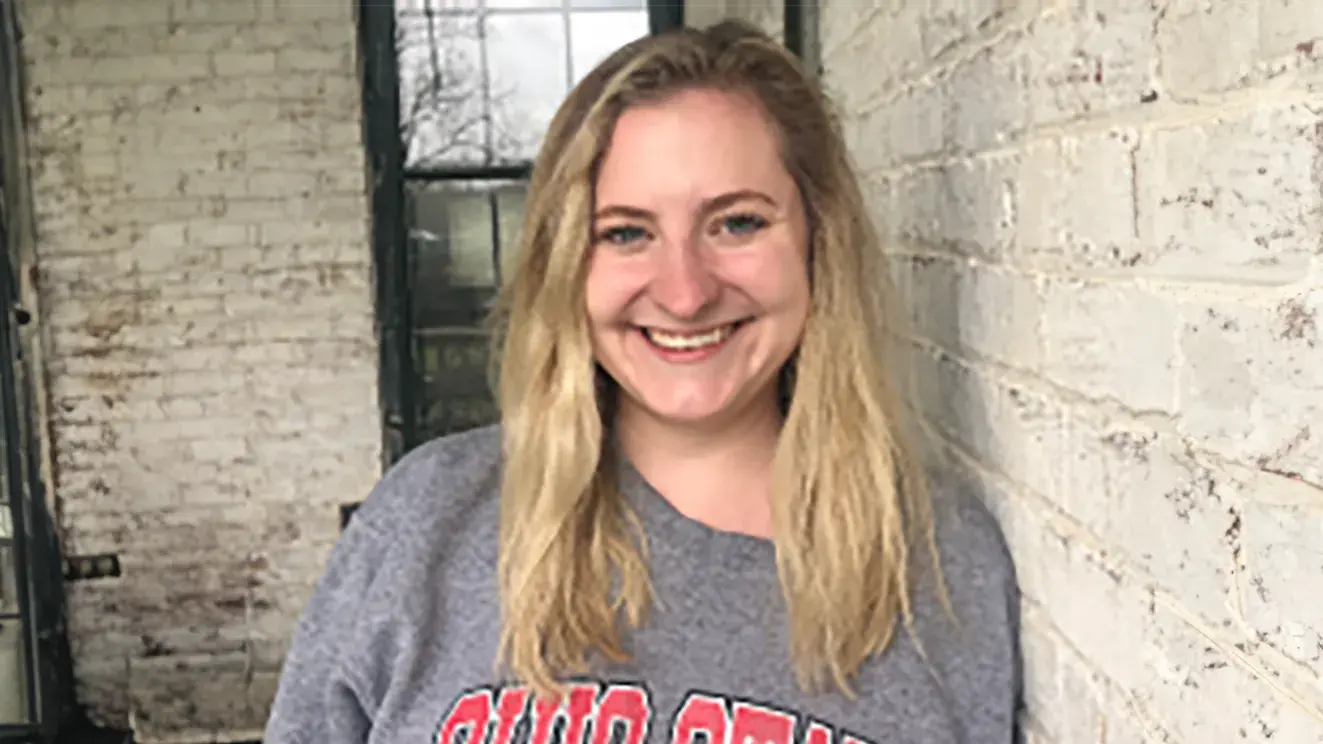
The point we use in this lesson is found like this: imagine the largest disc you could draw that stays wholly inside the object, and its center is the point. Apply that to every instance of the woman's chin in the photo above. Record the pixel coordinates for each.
(694, 408)
(687, 415)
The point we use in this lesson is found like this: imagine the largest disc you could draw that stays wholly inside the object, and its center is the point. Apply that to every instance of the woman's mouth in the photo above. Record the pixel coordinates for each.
(684, 341)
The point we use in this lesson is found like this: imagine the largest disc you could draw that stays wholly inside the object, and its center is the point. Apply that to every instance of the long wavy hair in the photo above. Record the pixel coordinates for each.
(850, 506)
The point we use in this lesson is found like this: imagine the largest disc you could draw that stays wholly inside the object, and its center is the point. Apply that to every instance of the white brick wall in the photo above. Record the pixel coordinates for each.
(1106, 218)
(204, 279)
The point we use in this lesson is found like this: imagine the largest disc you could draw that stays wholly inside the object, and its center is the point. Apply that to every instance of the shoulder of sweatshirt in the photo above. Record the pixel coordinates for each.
(432, 487)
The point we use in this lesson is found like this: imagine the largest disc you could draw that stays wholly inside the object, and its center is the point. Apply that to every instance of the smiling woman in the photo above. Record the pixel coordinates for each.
(697, 290)
(699, 513)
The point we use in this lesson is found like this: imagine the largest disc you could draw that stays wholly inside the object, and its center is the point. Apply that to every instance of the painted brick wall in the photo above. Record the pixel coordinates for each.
(1106, 220)
(203, 275)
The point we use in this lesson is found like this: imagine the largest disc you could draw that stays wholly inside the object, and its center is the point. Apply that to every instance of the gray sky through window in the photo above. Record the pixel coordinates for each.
(481, 79)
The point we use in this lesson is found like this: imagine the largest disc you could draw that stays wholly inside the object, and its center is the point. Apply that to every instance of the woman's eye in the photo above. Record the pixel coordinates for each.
(622, 235)
(743, 224)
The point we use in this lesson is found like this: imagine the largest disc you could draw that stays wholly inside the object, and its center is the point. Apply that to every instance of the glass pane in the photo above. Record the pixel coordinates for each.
(510, 207)
(596, 35)
(453, 239)
(13, 681)
(529, 78)
(8, 573)
(612, 5)
(461, 235)
(523, 4)
(481, 79)
(405, 8)
(455, 395)
(442, 90)
(8, 565)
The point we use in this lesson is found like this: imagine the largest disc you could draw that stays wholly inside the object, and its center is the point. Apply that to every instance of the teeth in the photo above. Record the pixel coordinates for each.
(673, 341)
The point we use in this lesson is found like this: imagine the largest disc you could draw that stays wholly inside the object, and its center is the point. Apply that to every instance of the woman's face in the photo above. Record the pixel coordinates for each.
(697, 289)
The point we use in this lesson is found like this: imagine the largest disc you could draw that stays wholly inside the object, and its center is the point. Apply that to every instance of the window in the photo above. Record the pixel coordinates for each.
(458, 96)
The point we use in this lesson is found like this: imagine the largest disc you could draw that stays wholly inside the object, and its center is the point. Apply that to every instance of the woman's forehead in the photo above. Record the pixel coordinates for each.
(697, 145)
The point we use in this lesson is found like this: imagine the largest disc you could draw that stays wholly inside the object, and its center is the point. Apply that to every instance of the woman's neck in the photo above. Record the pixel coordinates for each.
(718, 475)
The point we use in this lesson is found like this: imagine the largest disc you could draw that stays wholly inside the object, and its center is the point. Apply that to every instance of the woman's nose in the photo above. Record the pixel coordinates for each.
(684, 283)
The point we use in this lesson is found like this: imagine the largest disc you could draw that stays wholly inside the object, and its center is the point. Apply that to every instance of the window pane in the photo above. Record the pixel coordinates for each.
(8, 567)
(442, 90)
(596, 35)
(523, 4)
(527, 56)
(461, 234)
(481, 79)
(452, 238)
(405, 8)
(510, 205)
(13, 688)
(13, 680)
(8, 574)
(454, 395)
(612, 4)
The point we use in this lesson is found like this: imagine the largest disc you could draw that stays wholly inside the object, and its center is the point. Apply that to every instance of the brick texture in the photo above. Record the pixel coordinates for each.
(204, 280)
(1105, 219)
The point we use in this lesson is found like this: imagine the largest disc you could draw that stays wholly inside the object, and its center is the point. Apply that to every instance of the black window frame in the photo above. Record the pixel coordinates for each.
(50, 706)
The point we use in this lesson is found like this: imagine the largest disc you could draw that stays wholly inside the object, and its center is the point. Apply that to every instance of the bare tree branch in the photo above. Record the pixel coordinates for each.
(445, 115)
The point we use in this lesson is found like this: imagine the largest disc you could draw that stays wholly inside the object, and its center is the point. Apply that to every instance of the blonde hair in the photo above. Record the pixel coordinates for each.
(849, 499)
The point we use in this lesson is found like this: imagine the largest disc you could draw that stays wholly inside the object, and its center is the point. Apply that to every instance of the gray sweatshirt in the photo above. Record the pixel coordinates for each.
(398, 641)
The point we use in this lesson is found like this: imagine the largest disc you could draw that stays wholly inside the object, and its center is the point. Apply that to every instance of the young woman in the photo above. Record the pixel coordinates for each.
(698, 518)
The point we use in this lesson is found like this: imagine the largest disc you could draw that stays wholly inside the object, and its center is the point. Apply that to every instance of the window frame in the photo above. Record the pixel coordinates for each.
(38, 568)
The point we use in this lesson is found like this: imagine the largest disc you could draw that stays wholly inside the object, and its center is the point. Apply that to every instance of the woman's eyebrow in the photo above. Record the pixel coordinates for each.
(620, 210)
(723, 201)
(711, 204)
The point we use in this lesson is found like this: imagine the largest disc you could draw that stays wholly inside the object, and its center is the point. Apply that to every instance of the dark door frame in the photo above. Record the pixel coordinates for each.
(35, 542)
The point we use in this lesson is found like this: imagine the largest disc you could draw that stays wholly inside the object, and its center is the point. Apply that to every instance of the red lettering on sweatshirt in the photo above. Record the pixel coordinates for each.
(700, 714)
(817, 734)
(622, 705)
(595, 714)
(472, 712)
(764, 725)
(577, 709)
(510, 707)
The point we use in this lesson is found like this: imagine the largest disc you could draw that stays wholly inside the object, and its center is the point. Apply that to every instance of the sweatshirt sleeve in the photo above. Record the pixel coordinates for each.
(320, 698)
